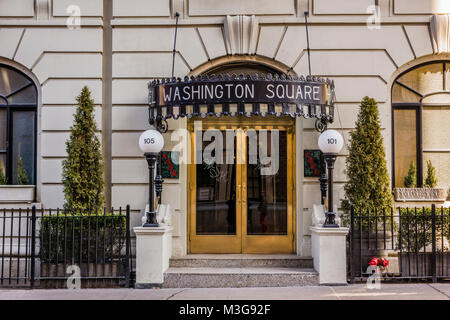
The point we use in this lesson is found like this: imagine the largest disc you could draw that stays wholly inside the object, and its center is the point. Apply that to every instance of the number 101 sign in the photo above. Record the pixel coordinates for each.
(331, 142)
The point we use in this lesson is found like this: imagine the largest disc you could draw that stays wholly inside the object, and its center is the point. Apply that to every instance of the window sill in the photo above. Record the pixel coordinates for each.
(17, 193)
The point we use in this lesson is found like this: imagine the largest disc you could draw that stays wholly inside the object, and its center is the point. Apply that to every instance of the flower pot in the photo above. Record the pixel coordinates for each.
(16, 194)
(420, 194)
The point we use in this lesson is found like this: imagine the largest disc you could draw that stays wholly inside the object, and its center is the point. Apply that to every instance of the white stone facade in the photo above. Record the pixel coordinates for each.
(117, 66)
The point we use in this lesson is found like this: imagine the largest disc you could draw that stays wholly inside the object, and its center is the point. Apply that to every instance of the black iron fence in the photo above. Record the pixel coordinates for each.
(414, 242)
(56, 248)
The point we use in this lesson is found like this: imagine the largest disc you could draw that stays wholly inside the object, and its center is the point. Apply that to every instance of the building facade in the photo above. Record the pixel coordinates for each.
(395, 51)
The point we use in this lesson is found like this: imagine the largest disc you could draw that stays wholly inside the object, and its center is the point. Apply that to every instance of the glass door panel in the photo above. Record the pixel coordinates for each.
(267, 189)
(268, 200)
(216, 193)
(215, 198)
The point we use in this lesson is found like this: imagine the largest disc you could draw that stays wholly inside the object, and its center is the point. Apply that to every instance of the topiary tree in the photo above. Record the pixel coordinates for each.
(410, 180)
(22, 175)
(430, 181)
(83, 168)
(3, 179)
(368, 185)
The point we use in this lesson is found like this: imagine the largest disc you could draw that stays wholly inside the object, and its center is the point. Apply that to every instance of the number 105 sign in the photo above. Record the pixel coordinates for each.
(151, 141)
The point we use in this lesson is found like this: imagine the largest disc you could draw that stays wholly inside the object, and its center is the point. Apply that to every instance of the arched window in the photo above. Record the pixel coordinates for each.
(18, 105)
(421, 122)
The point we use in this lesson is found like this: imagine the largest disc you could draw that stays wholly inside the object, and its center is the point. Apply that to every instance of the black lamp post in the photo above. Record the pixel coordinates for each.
(330, 143)
(151, 214)
(151, 143)
(323, 180)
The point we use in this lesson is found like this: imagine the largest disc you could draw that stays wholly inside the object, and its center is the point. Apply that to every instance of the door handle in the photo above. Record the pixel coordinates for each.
(238, 193)
(243, 196)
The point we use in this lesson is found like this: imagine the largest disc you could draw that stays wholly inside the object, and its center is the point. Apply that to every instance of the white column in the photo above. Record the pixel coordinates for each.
(153, 251)
(329, 254)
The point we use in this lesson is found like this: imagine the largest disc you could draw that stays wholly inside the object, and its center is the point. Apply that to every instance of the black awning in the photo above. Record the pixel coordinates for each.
(243, 95)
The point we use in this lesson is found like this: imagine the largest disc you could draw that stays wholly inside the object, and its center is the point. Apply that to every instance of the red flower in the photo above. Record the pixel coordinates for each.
(380, 262)
(373, 262)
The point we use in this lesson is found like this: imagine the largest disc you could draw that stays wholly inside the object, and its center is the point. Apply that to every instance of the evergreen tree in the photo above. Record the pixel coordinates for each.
(22, 175)
(83, 168)
(3, 179)
(368, 185)
(410, 180)
(430, 181)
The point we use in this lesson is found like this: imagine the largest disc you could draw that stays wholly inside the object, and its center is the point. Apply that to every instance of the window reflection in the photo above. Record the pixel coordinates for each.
(405, 143)
(267, 194)
(216, 194)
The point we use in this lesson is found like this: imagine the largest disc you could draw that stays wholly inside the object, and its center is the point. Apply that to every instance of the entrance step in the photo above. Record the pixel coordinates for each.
(239, 277)
(241, 261)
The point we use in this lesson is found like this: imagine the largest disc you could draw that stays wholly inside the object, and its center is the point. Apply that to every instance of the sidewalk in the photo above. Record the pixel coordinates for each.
(439, 291)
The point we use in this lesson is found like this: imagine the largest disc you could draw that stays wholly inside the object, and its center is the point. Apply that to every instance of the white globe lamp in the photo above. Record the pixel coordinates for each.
(151, 141)
(330, 143)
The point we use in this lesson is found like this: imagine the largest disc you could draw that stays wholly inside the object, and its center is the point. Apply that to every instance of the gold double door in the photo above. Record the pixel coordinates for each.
(241, 185)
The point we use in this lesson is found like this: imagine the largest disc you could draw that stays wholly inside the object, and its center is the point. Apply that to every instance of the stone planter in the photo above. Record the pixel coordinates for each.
(420, 194)
(16, 194)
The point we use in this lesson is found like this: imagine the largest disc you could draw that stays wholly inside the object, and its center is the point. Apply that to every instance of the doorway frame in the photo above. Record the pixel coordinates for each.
(270, 122)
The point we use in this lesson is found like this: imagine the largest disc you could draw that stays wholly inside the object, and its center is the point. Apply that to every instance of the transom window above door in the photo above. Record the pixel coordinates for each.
(18, 105)
(420, 121)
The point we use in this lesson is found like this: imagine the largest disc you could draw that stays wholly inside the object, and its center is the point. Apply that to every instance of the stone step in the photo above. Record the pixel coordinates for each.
(239, 277)
(241, 261)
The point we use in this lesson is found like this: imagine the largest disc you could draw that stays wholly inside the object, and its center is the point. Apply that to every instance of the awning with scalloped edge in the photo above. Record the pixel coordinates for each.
(243, 95)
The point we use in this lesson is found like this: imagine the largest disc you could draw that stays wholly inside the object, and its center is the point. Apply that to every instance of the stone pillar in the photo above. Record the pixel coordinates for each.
(153, 251)
(329, 254)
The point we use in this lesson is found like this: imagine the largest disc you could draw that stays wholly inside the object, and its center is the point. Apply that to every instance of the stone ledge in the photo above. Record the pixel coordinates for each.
(420, 194)
(329, 231)
(152, 230)
(239, 277)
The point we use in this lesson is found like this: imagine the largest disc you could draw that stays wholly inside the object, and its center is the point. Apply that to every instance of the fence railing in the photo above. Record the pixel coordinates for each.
(415, 242)
(56, 248)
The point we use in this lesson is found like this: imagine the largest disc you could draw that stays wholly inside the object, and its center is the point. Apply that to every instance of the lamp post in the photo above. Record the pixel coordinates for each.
(330, 143)
(151, 143)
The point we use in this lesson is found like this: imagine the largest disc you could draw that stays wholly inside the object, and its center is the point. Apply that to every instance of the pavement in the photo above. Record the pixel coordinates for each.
(388, 291)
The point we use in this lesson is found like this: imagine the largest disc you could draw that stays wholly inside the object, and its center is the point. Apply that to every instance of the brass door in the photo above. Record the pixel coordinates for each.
(245, 203)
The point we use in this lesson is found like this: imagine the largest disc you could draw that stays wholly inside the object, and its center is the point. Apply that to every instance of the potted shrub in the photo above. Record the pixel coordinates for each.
(19, 193)
(428, 193)
(93, 242)
(368, 188)
(83, 220)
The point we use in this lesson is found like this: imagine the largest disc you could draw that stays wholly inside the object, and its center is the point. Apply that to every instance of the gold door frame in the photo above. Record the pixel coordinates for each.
(241, 242)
